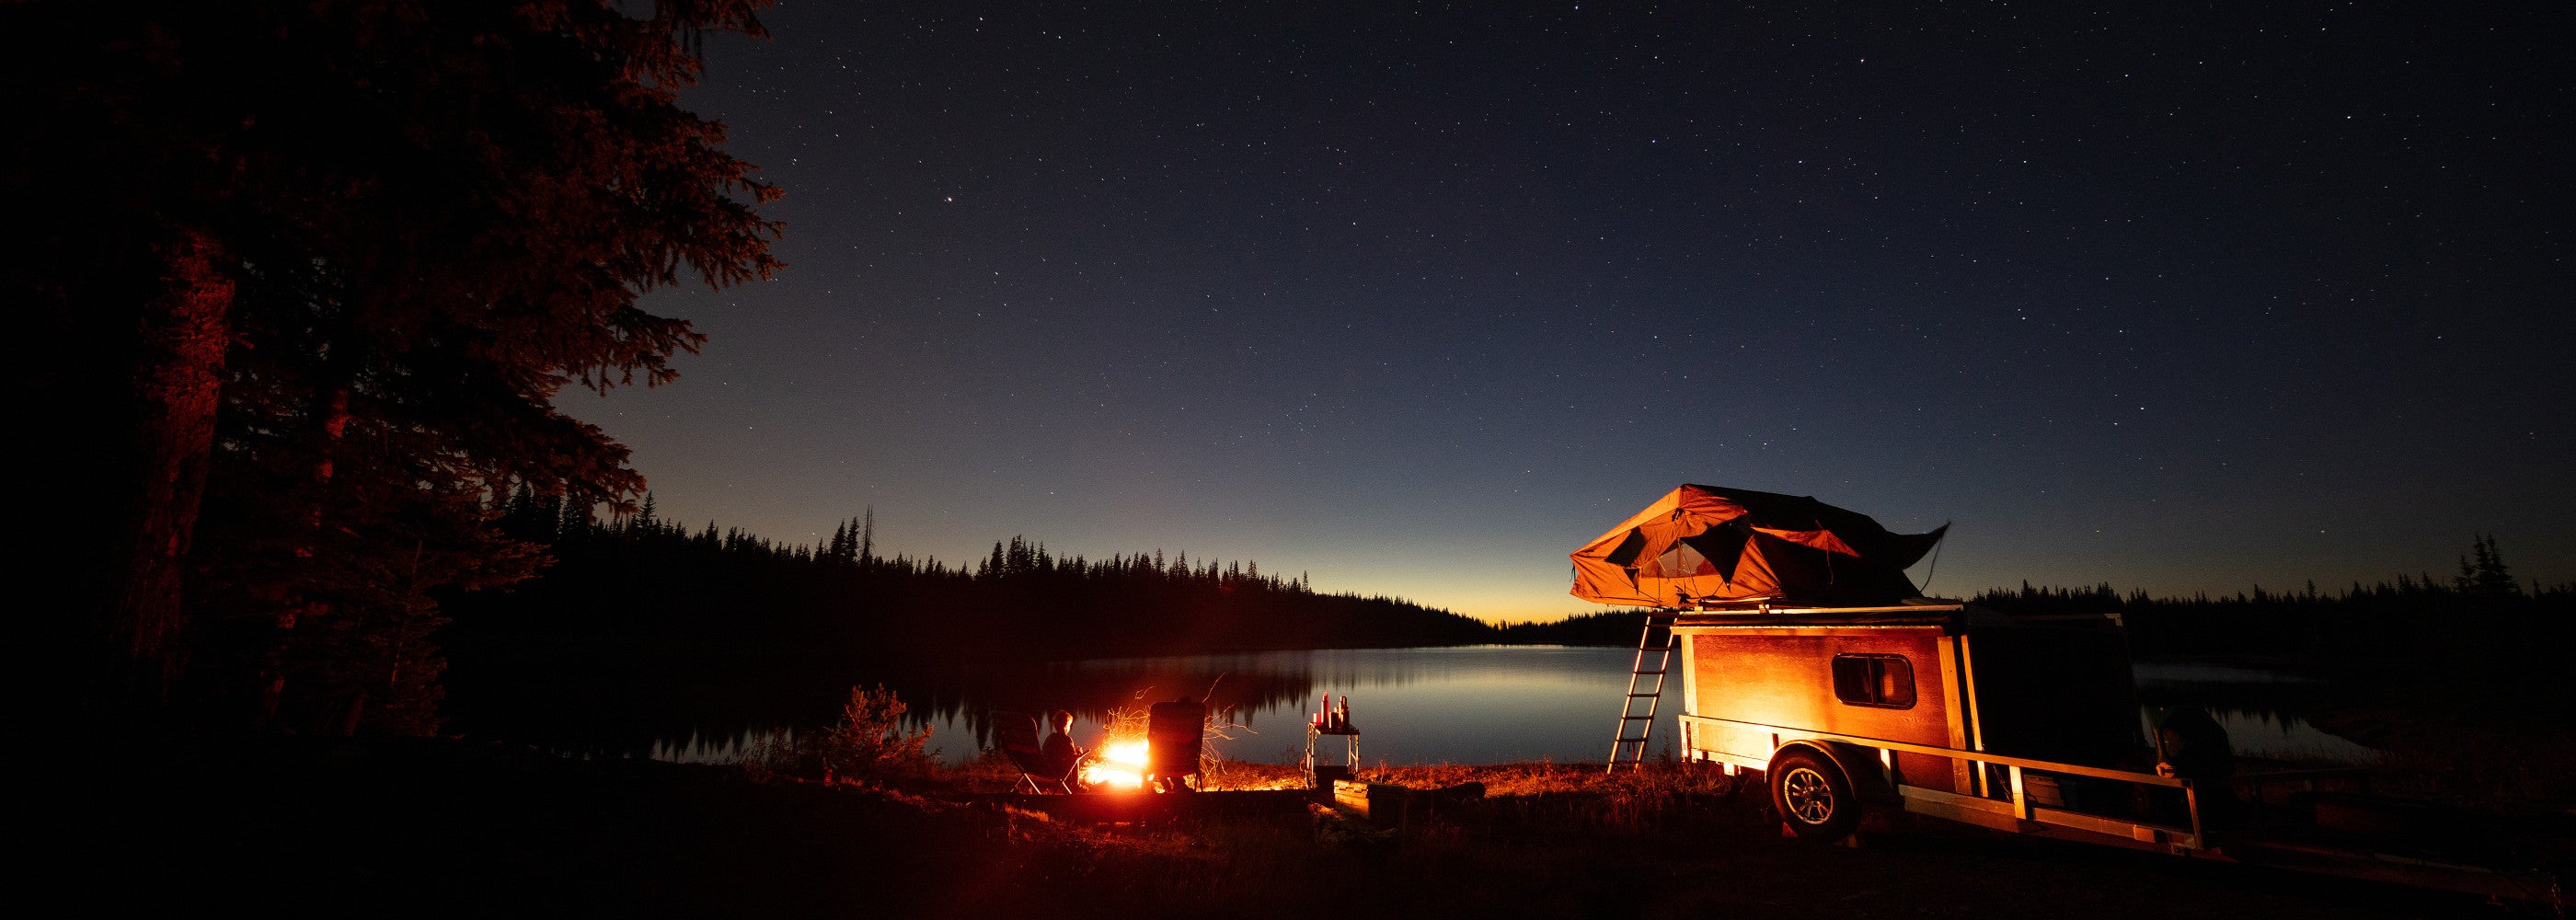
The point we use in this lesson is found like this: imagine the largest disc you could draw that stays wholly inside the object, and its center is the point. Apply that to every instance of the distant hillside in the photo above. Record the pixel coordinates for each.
(1619, 626)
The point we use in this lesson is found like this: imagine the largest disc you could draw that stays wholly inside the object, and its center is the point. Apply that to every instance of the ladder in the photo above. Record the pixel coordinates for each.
(1636, 727)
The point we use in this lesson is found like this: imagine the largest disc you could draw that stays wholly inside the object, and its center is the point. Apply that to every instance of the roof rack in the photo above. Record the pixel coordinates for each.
(1776, 605)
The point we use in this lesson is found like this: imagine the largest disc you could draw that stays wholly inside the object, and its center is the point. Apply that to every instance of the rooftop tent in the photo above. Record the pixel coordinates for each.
(1703, 543)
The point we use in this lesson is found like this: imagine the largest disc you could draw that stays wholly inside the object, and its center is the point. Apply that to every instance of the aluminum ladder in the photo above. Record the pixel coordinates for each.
(1635, 728)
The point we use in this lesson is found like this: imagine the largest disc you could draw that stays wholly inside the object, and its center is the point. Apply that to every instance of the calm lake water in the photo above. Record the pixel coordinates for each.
(1471, 705)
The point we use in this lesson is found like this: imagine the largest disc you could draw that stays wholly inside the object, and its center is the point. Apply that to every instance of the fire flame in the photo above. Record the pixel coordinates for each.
(1121, 765)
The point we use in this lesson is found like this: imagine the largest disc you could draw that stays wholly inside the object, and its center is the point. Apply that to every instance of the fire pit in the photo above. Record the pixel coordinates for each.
(1167, 756)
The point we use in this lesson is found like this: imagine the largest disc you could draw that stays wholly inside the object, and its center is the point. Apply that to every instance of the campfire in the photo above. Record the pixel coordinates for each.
(1126, 759)
(1121, 765)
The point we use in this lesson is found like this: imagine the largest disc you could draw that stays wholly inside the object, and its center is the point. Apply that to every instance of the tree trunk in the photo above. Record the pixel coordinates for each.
(178, 380)
(296, 602)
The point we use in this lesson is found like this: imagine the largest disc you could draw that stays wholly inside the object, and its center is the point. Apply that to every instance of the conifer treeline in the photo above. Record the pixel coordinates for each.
(654, 590)
(651, 620)
(2388, 619)
(2404, 616)
(643, 623)
(2474, 648)
(2409, 616)
(1616, 626)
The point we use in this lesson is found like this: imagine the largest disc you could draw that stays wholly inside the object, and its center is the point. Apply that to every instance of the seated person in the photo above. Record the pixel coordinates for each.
(2195, 747)
(1059, 753)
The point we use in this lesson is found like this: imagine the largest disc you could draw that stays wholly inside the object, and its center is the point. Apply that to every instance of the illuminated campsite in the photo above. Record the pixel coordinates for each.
(907, 459)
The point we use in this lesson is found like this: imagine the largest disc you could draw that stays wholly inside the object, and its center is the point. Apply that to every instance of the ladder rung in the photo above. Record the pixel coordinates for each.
(1635, 718)
(1649, 673)
(1635, 695)
(1632, 741)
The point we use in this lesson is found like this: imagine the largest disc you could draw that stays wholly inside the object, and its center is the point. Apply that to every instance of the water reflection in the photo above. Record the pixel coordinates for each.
(1476, 704)
(2258, 707)
(1473, 704)
(721, 749)
(2271, 736)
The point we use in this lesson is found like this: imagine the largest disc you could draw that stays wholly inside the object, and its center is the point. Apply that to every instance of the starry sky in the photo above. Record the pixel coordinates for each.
(1417, 299)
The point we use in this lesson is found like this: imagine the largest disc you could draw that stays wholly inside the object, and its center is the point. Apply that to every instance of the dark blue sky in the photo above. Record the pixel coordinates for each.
(1419, 299)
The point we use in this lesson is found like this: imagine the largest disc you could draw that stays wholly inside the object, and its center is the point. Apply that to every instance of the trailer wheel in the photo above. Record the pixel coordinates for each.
(1813, 797)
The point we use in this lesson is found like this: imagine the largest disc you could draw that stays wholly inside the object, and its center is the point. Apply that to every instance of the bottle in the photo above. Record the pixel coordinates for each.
(1342, 716)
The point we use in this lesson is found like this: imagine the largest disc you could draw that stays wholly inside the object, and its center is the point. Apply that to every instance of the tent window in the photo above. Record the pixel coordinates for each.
(1874, 680)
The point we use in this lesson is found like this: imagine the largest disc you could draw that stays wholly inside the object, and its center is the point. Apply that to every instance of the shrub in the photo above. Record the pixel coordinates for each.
(870, 741)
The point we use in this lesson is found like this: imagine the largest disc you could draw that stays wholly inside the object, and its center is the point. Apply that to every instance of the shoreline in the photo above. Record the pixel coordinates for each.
(404, 826)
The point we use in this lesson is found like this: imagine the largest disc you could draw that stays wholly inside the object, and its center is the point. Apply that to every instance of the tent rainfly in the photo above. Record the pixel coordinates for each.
(1708, 544)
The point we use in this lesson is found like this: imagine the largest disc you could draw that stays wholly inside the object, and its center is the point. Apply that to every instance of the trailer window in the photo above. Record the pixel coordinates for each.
(1874, 680)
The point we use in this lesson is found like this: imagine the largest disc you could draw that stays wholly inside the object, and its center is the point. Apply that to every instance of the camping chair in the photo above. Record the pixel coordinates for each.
(1017, 733)
(1174, 733)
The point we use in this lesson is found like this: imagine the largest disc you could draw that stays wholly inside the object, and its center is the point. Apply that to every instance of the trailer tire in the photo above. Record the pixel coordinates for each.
(1813, 797)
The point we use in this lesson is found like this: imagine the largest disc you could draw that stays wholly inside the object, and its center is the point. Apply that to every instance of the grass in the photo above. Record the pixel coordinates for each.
(2486, 766)
(1568, 839)
(334, 826)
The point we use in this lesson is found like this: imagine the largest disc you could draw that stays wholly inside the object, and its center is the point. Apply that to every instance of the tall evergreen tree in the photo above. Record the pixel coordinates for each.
(373, 240)
(2489, 575)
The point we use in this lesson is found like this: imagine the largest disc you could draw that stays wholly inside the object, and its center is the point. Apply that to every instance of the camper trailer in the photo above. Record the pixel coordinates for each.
(1809, 658)
(2026, 724)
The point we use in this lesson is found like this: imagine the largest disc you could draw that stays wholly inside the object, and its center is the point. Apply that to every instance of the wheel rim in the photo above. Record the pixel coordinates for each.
(1808, 796)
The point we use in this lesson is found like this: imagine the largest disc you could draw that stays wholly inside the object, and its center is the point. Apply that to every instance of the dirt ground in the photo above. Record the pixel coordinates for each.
(405, 828)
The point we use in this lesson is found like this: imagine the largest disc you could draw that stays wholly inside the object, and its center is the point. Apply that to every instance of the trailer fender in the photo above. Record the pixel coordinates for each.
(1859, 764)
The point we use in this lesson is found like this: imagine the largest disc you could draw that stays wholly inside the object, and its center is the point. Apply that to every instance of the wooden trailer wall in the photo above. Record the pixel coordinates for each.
(1786, 676)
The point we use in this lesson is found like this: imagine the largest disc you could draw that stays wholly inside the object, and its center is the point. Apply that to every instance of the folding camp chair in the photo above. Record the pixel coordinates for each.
(1175, 732)
(1017, 732)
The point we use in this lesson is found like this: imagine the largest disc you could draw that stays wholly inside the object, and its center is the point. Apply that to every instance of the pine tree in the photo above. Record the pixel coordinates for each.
(408, 285)
(2490, 577)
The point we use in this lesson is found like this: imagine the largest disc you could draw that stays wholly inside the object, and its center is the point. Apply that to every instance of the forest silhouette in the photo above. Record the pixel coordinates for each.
(646, 619)
(642, 623)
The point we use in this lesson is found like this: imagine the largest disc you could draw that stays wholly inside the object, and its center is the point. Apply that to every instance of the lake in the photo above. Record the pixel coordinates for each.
(1469, 705)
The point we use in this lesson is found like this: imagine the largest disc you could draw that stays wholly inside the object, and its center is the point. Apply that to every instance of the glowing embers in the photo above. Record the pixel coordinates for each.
(1121, 766)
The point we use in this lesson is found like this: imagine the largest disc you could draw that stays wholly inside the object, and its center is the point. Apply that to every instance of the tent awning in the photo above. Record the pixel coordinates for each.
(1704, 543)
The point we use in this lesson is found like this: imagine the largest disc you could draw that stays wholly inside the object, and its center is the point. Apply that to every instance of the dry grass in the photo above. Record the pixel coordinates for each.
(2480, 765)
(460, 829)
(1548, 839)
(1572, 840)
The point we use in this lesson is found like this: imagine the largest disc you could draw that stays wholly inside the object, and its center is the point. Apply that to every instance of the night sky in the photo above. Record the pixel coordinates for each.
(1419, 299)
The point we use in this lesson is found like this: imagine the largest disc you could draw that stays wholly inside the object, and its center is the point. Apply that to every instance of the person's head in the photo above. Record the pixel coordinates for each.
(1062, 720)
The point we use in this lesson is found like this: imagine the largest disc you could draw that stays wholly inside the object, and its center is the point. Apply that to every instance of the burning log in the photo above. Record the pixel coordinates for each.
(1120, 766)
(1118, 763)
(1161, 743)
